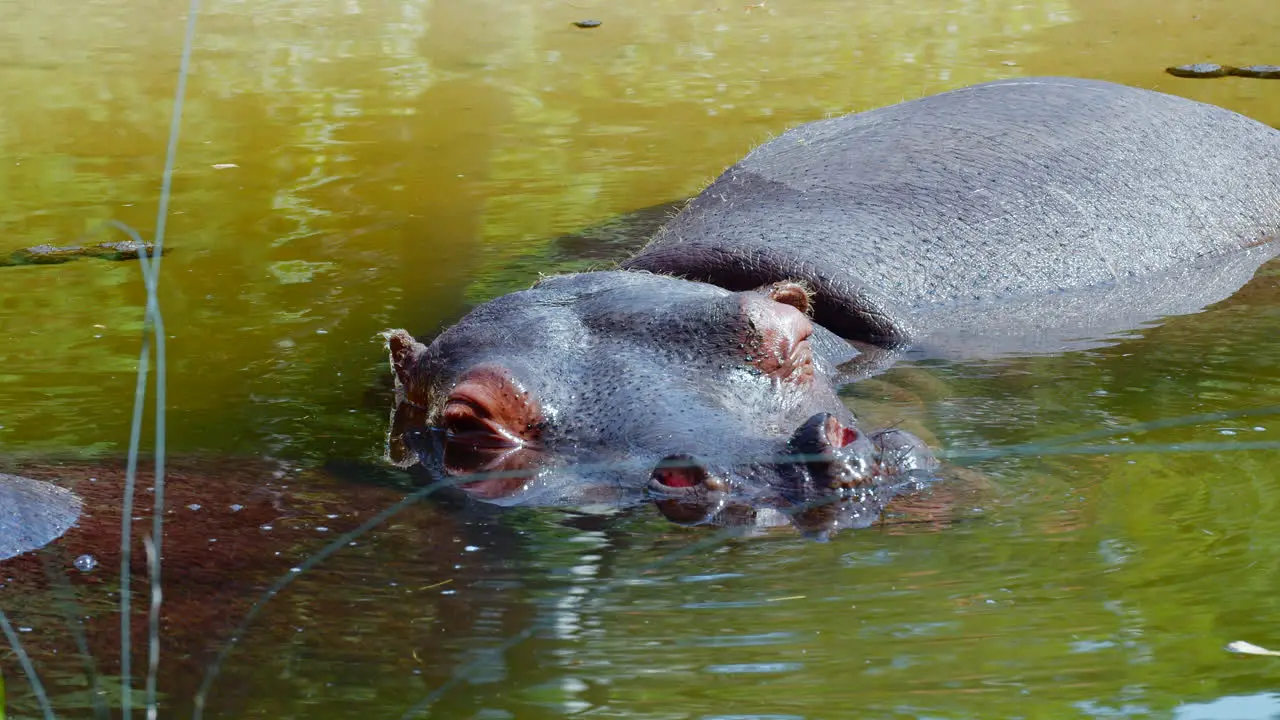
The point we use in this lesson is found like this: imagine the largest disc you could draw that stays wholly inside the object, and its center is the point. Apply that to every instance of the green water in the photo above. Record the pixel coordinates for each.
(349, 166)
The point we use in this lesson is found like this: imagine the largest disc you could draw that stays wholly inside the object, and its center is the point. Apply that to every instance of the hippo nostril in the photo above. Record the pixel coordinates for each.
(839, 435)
(682, 471)
(821, 434)
(831, 455)
(685, 492)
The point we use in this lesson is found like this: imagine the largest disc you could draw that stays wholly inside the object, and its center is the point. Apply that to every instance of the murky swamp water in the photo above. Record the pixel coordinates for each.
(348, 166)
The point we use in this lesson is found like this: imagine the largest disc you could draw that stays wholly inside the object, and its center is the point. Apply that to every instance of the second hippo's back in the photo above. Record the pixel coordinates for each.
(993, 194)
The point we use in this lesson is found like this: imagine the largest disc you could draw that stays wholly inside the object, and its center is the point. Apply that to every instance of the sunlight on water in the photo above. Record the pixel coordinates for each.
(349, 165)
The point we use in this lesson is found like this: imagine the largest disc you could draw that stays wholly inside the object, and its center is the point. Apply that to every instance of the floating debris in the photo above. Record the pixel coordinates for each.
(586, 24)
(53, 255)
(1199, 70)
(1214, 70)
(1244, 648)
(1262, 72)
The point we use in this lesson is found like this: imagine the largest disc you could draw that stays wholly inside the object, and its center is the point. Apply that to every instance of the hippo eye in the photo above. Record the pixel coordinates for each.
(483, 445)
(489, 411)
(472, 425)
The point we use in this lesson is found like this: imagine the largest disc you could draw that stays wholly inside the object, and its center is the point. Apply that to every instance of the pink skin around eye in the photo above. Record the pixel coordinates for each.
(492, 426)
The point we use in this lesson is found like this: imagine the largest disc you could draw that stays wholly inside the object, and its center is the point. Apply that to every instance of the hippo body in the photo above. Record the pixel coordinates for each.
(993, 208)
(1033, 215)
(33, 513)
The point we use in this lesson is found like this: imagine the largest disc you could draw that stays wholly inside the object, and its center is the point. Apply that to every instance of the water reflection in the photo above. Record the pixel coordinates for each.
(396, 161)
(1261, 705)
(416, 149)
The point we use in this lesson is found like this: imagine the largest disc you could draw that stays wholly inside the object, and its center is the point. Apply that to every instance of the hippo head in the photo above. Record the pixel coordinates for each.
(607, 387)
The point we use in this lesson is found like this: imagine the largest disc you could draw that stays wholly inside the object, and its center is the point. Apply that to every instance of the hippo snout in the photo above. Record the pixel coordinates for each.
(844, 479)
(829, 475)
(830, 455)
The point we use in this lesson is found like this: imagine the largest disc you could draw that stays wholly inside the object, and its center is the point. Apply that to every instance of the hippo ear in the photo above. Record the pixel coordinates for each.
(406, 356)
(790, 292)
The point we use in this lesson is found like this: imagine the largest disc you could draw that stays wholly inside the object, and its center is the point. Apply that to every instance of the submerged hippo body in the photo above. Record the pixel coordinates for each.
(33, 513)
(1015, 216)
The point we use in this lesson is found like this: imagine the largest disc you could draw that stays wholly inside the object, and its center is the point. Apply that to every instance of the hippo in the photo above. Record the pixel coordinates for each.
(1018, 216)
(33, 513)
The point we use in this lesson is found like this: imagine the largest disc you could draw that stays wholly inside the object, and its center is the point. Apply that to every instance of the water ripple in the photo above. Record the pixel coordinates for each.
(738, 668)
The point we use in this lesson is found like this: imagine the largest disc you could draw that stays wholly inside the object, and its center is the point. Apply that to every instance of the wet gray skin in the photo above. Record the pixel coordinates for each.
(1029, 215)
(1021, 216)
(613, 387)
(33, 514)
(1037, 215)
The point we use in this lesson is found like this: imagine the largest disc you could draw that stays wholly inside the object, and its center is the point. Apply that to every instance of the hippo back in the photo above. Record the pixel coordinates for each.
(986, 204)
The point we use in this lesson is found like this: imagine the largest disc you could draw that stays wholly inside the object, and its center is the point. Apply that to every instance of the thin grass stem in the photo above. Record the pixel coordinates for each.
(71, 614)
(25, 660)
